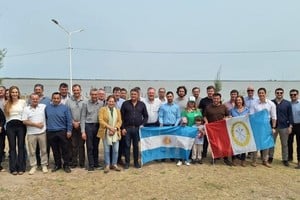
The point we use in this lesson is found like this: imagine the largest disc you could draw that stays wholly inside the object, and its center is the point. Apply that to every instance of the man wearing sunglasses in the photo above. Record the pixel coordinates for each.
(283, 125)
(296, 126)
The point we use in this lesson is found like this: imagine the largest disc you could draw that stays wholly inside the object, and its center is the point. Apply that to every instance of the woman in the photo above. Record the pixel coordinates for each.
(188, 118)
(239, 110)
(16, 131)
(109, 131)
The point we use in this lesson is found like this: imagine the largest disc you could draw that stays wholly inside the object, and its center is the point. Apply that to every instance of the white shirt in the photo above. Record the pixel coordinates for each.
(16, 110)
(267, 104)
(152, 109)
(35, 115)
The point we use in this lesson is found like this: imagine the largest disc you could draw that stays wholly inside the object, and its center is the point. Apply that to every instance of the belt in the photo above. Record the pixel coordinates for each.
(169, 125)
(132, 127)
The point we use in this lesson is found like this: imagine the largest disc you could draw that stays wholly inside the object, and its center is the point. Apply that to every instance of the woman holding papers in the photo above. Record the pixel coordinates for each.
(109, 131)
(239, 110)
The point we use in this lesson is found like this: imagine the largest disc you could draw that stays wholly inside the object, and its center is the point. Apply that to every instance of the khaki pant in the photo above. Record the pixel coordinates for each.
(32, 142)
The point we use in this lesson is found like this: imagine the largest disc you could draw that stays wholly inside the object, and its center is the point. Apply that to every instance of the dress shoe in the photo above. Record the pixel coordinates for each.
(270, 160)
(91, 169)
(227, 162)
(285, 163)
(137, 165)
(56, 168)
(298, 166)
(200, 161)
(243, 163)
(126, 166)
(67, 169)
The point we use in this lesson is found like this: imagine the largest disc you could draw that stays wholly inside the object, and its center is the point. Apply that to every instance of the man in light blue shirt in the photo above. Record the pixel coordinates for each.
(169, 113)
(250, 99)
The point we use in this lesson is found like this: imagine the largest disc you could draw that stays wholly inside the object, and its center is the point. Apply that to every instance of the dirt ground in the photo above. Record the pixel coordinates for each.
(158, 180)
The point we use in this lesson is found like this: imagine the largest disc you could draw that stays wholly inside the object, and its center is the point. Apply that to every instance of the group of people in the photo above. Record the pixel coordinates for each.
(67, 123)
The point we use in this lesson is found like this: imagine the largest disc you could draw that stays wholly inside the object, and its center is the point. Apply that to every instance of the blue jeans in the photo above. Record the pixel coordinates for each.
(132, 135)
(92, 143)
(115, 149)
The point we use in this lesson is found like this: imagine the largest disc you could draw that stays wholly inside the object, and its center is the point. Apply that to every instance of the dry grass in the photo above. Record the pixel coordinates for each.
(159, 181)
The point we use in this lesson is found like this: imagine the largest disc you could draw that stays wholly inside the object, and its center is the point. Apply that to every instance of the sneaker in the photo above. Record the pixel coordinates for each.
(179, 163)
(298, 166)
(14, 173)
(137, 165)
(187, 163)
(266, 164)
(32, 170)
(2, 169)
(44, 169)
(126, 166)
(116, 168)
(106, 169)
(253, 164)
(21, 173)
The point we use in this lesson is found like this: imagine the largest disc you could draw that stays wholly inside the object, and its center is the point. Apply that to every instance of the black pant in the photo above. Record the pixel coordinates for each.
(295, 131)
(59, 143)
(78, 151)
(92, 143)
(121, 151)
(205, 146)
(2, 144)
(132, 135)
(16, 132)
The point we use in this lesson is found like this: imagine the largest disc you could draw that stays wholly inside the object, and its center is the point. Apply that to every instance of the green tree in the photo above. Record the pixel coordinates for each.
(218, 82)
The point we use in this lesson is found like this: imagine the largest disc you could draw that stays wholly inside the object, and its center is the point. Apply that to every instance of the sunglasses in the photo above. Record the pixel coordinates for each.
(293, 95)
(279, 92)
(250, 90)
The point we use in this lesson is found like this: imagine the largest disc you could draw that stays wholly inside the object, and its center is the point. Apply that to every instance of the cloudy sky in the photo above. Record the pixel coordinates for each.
(153, 40)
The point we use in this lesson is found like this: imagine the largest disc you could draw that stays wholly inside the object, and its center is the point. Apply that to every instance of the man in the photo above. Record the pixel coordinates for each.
(117, 93)
(123, 94)
(231, 103)
(250, 99)
(162, 95)
(204, 102)
(152, 105)
(34, 118)
(102, 95)
(294, 94)
(169, 113)
(283, 125)
(59, 130)
(2, 97)
(39, 90)
(261, 104)
(134, 114)
(64, 92)
(181, 100)
(89, 128)
(215, 112)
(2, 132)
(196, 94)
(75, 103)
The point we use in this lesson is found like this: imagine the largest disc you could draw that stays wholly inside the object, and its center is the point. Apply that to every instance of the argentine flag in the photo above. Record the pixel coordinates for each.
(166, 142)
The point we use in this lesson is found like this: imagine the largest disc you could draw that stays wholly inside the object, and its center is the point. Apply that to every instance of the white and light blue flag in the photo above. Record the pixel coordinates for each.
(166, 142)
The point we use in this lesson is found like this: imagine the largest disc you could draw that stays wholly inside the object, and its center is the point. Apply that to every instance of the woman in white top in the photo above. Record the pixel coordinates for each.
(16, 131)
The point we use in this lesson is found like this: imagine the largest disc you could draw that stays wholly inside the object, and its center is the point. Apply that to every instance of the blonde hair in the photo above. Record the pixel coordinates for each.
(9, 102)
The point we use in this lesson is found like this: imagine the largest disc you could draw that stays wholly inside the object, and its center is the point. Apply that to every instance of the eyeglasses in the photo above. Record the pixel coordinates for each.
(293, 95)
(279, 92)
(250, 90)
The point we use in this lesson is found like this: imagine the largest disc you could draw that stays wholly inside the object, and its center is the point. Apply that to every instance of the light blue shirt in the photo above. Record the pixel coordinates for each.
(296, 111)
(250, 102)
(169, 114)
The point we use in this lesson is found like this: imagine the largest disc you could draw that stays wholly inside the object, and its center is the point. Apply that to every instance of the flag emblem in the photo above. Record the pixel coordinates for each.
(240, 133)
(167, 140)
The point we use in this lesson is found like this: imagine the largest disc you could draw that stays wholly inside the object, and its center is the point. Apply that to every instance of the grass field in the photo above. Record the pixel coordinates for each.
(159, 181)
